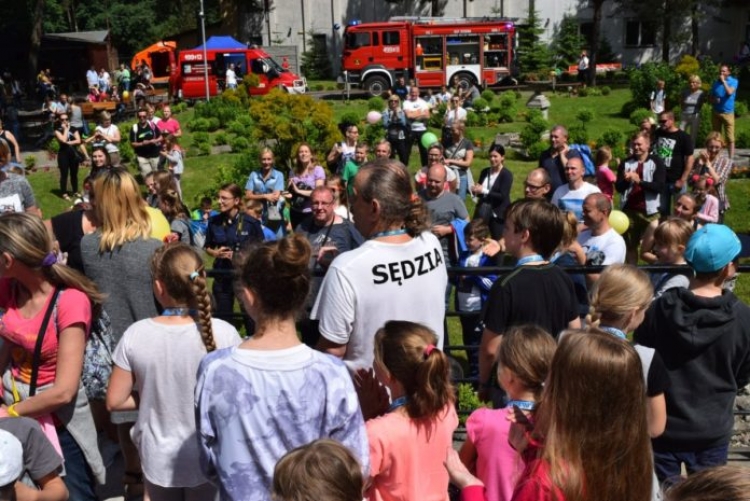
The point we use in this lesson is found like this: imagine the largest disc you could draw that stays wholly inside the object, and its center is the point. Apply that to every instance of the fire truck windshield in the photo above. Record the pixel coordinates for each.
(356, 40)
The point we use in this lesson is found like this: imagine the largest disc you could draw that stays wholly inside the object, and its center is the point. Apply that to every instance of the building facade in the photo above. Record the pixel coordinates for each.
(721, 32)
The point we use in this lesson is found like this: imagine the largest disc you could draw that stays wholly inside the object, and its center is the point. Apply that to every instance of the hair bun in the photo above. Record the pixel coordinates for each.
(292, 255)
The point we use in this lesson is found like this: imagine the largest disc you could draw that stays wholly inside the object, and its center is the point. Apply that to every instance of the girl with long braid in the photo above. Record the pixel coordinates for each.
(158, 358)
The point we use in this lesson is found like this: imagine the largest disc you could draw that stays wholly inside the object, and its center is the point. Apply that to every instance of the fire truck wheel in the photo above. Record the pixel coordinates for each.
(465, 79)
(376, 85)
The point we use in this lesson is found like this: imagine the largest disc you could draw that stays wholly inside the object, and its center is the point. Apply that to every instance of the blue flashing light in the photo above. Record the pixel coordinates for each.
(355, 22)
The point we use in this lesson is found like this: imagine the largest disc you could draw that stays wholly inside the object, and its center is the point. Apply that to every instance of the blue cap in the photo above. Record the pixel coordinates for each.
(711, 248)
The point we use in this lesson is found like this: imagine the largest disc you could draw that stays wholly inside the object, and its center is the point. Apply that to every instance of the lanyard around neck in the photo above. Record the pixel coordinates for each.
(533, 258)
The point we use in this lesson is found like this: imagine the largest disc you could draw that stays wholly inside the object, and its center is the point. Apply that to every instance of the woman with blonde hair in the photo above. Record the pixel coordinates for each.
(113, 258)
(714, 164)
(618, 303)
(692, 100)
(459, 155)
(266, 184)
(48, 309)
(107, 135)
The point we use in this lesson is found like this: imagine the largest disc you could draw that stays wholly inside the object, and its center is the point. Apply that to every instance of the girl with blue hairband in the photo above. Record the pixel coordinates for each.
(158, 358)
(47, 311)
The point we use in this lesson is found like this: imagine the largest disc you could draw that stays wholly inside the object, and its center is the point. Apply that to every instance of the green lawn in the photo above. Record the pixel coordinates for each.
(200, 171)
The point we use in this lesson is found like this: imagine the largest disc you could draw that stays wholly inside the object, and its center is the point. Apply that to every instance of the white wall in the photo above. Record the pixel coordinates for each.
(721, 34)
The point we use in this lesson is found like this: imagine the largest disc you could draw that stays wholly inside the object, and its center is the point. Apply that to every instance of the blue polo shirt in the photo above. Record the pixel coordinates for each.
(726, 101)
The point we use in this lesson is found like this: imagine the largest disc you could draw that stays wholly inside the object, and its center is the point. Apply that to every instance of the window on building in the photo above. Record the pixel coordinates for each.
(320, 42)
(639, 34)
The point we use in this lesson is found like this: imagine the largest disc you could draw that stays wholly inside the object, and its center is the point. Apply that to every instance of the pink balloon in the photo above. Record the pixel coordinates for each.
(373, 117)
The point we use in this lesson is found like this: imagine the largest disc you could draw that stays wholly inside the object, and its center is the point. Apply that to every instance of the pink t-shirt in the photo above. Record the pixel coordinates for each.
(73, 307)
(498, 465)
(170, 126)
(406, 460)
(605, 180)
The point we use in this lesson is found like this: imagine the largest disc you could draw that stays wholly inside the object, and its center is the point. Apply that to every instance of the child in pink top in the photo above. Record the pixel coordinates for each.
(605, 178)
(590, 438)
(704, 194)
(408, 443)
(523, 362)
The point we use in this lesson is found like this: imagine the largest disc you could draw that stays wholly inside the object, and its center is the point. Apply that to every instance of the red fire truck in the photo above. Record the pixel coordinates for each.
(430, 50)
(188, 82)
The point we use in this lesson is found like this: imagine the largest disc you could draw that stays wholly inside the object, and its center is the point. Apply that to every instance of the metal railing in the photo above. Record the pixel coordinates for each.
(500, 270)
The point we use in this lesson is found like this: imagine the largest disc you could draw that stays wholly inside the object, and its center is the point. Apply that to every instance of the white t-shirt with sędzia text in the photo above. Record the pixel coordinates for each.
(377, 282)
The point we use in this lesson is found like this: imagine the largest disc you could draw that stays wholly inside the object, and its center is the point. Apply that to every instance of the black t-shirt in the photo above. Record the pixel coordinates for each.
(139, 133)
(673, 148)
(657, 379)
(68, 230)
(344, 236)
(64, 146)
(543, 295)
(555, 169)
(401, 91)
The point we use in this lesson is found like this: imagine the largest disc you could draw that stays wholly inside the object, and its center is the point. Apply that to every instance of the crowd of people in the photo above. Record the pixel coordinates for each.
(341, 388)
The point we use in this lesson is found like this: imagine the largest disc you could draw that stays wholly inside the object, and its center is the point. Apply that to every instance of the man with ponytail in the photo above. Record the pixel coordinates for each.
(399, 273)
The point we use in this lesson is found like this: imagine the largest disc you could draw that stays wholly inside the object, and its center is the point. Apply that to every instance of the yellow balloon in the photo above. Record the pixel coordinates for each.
(125, 95)
(159, 224)
(619, 221)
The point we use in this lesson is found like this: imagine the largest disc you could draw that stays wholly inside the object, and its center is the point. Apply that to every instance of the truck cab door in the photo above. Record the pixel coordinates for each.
(258, 68)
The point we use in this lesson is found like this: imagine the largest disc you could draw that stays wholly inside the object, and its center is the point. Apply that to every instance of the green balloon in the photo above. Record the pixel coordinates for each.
(428, 139)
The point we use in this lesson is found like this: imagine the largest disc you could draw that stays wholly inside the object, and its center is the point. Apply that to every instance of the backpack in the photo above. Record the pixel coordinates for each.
(588, 158)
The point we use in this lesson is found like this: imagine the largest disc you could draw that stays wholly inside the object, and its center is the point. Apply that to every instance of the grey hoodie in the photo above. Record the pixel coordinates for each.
(705, 345)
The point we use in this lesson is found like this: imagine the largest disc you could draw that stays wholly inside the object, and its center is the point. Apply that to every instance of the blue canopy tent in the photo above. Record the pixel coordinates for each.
(218, 43)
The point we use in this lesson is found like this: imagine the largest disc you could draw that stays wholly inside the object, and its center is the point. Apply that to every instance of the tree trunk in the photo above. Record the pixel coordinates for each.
(666, 33)
(595, 35)
(36, 38)
(695, 31)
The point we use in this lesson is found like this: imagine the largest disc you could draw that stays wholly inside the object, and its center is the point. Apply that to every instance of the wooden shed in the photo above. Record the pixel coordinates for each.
(70, 55)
